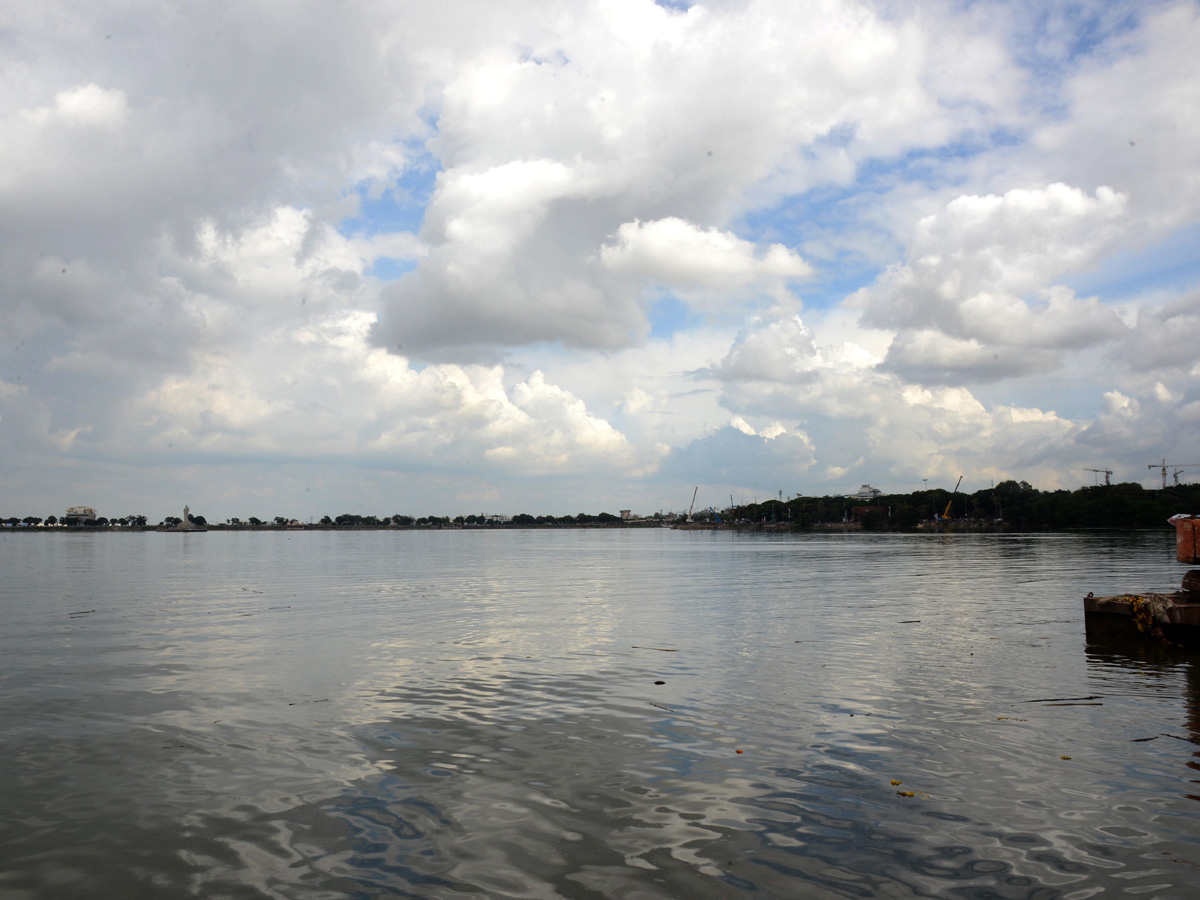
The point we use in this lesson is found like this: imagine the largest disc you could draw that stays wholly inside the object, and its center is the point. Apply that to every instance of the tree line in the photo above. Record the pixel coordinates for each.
(1011, 504)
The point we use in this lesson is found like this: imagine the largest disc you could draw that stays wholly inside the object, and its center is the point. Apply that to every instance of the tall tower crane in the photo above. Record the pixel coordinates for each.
(1163, 466)
(1107, 474)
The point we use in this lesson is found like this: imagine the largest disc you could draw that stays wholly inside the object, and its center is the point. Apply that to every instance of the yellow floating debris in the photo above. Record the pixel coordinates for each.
(905, 794)
(896, 781)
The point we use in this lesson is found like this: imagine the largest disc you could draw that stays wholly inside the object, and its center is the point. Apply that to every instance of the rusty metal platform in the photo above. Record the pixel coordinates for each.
(1172, 618)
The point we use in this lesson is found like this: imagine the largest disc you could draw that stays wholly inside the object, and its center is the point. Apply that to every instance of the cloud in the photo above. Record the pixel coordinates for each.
(1131, 121)
(864, 419)
(975, 299)
(482, 243)
(677, 254)
(634, 135)
(320, 390)
(736, 456)
(785, 351)
(1164, 336)
(86, 106)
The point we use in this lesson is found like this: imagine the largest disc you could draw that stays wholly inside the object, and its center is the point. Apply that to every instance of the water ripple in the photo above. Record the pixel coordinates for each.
(590, 714)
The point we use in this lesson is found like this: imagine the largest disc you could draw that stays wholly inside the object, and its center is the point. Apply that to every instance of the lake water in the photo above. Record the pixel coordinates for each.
(538, 714)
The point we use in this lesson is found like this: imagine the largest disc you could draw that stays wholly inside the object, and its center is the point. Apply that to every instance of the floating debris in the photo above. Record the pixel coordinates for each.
(1065, 699)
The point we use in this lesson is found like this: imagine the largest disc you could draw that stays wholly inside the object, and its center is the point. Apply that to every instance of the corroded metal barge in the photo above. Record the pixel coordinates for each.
(1166, 618)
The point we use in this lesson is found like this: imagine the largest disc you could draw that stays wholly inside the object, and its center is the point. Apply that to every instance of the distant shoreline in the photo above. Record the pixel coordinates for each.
(957, 527)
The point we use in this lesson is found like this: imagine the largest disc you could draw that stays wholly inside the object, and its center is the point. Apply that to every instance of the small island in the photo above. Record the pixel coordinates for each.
(186, 524)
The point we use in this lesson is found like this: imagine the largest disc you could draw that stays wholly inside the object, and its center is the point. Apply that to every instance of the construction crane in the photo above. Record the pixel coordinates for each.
(945, 517)
(692, 505)
(1176, 475)
(1107, 474)
(1163, 466)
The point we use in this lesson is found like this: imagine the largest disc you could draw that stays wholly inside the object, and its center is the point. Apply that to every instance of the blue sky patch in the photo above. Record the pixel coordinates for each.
(668, 316)
(387, 269)
(399, 208)
(1172, 265)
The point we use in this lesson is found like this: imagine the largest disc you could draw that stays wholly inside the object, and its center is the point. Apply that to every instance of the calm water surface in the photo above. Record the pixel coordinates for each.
(535, 714)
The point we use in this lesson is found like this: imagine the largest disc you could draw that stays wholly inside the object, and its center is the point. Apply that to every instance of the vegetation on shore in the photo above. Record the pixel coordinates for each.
(1010, 504)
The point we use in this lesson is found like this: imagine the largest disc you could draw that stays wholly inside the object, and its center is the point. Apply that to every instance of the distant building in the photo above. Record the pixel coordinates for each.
(866, 492)
(79, 513)
(626, 514)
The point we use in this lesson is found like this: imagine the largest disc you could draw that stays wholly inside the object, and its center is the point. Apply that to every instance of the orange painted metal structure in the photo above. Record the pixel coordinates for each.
(1187, 537)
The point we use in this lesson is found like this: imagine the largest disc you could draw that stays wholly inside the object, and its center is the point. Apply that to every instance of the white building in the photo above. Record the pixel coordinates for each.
(868, 493)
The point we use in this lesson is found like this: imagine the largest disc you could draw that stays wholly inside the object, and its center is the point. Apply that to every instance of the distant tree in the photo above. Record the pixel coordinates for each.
(607, 518)
(873, 519)
(255, 520)
(524, 519)
(280, 520)
(32, 520)
(200, 520)
(325, 520)
(102, 522)
(91, 523)
(459, 520)
(51, 520)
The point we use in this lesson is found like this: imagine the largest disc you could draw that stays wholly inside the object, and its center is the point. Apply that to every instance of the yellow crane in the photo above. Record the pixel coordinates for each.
(1164, 465)
(945, 517)
(1107, 474)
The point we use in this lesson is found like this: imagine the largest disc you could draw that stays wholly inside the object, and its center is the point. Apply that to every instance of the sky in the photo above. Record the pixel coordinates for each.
(302, 259)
